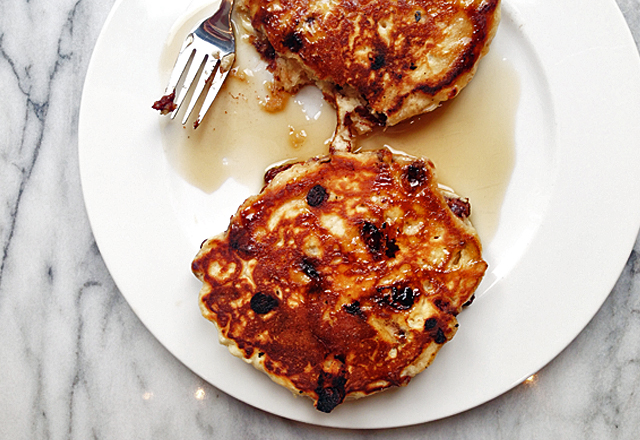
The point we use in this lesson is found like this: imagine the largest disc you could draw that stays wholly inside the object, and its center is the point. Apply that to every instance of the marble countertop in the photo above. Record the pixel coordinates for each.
(75, 361)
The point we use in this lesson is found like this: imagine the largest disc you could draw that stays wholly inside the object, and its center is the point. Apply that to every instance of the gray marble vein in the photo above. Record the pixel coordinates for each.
(75, 361)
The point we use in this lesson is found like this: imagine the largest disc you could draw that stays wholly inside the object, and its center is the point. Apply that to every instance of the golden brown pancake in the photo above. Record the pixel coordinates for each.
(378, 61)
(344, 275)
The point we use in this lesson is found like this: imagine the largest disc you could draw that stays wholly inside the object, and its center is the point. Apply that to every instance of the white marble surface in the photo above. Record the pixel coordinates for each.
(76, 363)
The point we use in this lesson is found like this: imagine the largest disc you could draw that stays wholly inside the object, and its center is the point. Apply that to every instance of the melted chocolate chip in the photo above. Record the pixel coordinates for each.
(262, 303)
(441, 304)
(430, 324)
(415, 174)
(376, 118)
(329, 398)
(392, 248)
(316, 196)
(372, 237)
(265, 49)
(353, 308)
(402, 298)
(440, 337)
(309, 269)
(331, 391)
(460, 207)
(378, 62)
(241, 241)
(378, 241)
(294, 42)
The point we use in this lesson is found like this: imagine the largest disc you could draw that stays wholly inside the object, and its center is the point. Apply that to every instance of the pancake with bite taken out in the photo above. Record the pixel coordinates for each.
(379, 62)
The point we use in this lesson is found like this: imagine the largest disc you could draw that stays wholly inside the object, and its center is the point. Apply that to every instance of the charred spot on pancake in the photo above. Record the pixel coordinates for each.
(316, 196)
(262, 303)
(293, 41)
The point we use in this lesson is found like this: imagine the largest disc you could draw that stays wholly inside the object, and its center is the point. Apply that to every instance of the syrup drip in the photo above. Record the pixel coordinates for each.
(470, 139)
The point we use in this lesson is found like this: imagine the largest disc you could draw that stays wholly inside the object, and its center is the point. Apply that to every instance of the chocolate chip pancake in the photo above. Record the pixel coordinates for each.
(344, 275)
(378, 61)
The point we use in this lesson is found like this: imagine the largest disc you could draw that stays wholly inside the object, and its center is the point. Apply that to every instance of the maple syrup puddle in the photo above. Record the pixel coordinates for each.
(470, 139)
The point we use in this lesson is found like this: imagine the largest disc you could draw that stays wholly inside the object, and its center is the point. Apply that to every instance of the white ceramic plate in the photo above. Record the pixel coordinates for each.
(568, 221)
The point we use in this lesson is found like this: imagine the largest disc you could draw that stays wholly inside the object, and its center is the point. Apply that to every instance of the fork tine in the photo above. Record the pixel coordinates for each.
(214, 35)
(216, 84)
(181, 63)
(197, 61)
(210, 67)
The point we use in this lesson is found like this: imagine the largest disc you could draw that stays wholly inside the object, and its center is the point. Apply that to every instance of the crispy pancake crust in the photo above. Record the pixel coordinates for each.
(344, 276)
(380, 62)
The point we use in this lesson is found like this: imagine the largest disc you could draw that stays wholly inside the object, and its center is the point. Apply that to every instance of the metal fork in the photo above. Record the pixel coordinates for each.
(212, 45)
